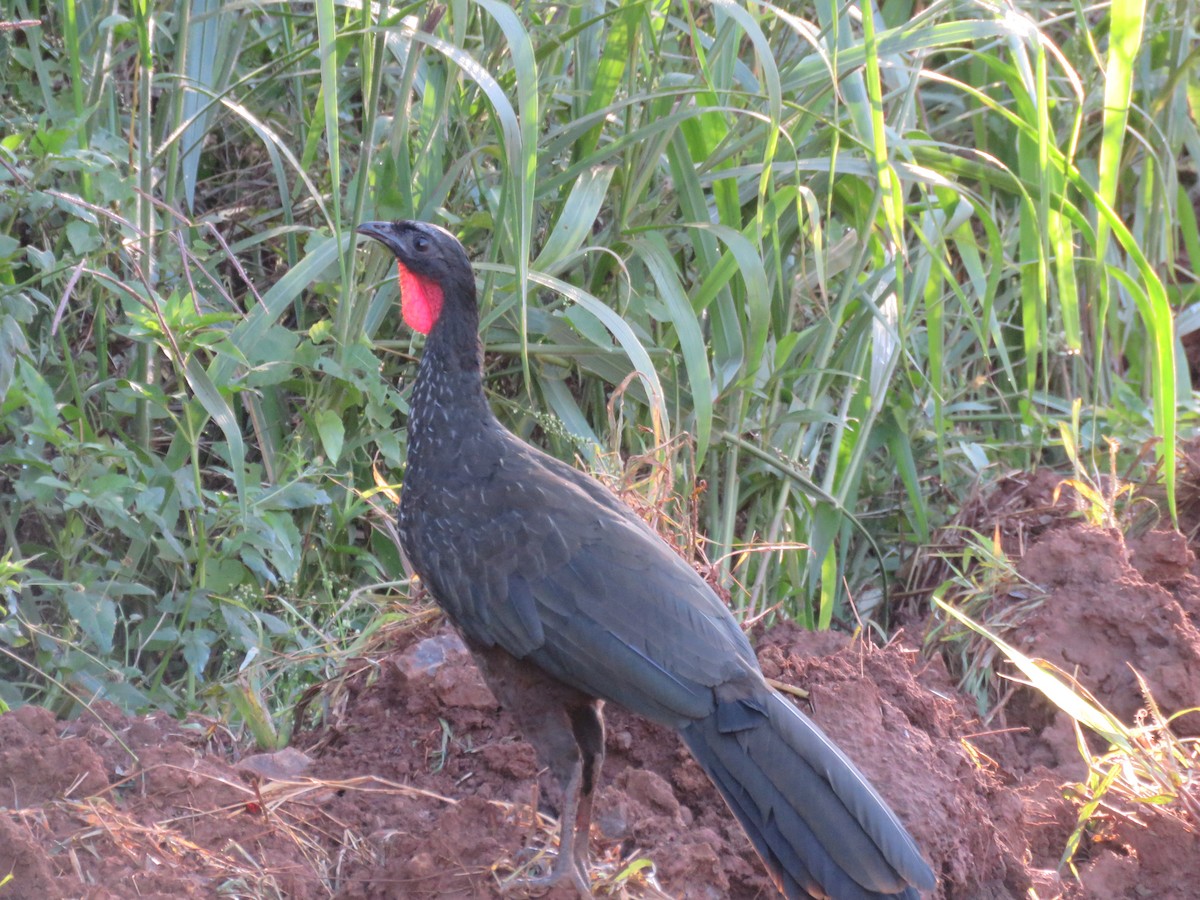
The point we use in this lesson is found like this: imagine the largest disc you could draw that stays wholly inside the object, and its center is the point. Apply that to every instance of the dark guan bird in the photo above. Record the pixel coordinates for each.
(567, 599)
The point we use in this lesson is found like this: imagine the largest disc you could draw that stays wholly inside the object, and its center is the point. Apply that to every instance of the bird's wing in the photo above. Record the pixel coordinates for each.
(526, 553)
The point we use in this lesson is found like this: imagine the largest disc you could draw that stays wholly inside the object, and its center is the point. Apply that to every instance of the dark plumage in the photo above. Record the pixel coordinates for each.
(567, 599)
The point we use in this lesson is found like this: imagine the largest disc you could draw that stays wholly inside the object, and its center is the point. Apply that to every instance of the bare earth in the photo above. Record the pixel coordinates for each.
(421, 787)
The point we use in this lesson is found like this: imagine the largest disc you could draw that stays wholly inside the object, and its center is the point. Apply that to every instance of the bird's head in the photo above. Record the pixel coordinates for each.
(432, 264)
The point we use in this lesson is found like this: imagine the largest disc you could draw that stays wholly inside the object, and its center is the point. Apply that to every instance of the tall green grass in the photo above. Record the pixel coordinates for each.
(834, 263)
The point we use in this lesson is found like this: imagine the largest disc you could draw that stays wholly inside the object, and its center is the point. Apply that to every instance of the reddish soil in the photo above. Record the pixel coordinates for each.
(419, 786)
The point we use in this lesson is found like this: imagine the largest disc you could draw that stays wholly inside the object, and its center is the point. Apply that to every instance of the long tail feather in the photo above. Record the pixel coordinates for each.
(814, 819)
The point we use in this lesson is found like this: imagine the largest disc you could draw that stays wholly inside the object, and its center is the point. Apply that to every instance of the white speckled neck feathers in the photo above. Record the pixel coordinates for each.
(447, 400)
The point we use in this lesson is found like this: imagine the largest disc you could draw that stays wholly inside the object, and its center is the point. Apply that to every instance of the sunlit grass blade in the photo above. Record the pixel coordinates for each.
(1048, 684)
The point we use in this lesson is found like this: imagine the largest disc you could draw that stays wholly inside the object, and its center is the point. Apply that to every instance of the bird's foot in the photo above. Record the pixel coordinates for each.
(539, 870)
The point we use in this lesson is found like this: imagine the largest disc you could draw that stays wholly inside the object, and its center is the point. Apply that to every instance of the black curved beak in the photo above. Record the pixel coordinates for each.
(384, 232)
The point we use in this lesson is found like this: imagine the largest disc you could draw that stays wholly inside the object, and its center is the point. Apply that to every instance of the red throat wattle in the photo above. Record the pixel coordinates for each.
(420, 300)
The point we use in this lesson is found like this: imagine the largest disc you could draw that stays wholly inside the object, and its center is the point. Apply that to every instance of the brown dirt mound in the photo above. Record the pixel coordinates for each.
(421, 786)
(895, 715)
(80, 818)
(1110, 608)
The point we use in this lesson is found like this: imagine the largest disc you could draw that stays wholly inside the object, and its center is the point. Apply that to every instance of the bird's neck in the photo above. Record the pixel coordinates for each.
(448, 403)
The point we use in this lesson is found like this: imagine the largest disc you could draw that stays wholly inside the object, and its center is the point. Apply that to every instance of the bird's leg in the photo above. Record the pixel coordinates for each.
(566, 729)
(572, 852)
(580, 763)
(566, 865)
(587, 723)
(582, 829)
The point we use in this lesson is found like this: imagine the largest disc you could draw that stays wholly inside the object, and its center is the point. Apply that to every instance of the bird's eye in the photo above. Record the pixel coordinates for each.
(421, 244)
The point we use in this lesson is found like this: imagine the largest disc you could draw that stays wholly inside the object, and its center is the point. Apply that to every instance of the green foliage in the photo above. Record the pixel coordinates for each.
(861, 257)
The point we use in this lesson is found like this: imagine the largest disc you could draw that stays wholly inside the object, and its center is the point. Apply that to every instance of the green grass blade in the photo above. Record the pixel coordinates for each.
(656, 254)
